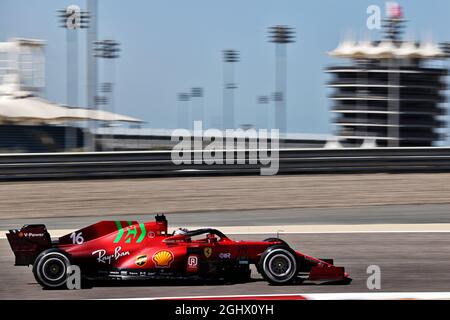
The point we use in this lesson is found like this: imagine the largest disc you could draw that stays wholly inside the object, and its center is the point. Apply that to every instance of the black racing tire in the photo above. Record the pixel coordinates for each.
(278, 265)
(50, 268)
(273, 239)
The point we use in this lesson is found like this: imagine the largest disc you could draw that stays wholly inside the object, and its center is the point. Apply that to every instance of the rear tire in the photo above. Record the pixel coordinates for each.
(278, 265)
(50, 269)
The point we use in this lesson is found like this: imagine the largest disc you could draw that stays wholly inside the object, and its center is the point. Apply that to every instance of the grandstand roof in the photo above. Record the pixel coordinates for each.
(26, 107)
(387, 50)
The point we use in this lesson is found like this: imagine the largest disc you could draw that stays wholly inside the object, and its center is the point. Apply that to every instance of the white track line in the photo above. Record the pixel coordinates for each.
(306, 229)
(322, 296)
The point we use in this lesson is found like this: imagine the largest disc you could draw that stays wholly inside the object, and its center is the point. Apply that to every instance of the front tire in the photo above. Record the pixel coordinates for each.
(50, 269)
(278, 265)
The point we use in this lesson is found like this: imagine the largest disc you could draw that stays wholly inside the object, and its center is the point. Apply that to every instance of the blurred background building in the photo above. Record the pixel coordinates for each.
(29, 123)
(390, 93)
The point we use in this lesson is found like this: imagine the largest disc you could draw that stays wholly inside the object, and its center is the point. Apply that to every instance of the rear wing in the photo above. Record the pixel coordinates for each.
(28, 242)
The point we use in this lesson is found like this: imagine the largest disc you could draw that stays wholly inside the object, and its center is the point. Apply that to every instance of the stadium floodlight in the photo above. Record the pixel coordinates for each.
(183, 96)
(262, 99)
(106, 87)
(393, 25)
(281, 34)
(101, 100)
(230, 55)
(73, 17)
(197, 92)
(107, 49)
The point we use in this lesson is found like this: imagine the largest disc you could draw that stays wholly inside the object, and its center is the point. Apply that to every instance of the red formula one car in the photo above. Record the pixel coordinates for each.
(121, 250)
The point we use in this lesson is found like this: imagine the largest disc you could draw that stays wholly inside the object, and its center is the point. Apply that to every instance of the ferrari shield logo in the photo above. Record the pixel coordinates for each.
(207, 252)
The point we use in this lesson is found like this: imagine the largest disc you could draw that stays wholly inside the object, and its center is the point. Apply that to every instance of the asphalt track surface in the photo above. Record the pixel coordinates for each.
(429, 213)
(409, 262)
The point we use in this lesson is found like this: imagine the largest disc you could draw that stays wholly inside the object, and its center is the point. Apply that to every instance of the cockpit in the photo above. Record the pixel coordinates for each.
(185, 235)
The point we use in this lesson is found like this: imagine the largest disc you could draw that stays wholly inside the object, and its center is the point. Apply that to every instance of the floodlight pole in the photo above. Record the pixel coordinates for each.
(197, 103)
(230, 57)
(281, 35)
(107, 50)
(72, 19)
(183, 110)
(262, 112)
(392, 32)
(91, 73)
(72, 67)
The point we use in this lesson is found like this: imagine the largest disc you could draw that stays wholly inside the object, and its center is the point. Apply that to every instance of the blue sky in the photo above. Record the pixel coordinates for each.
(169, 46)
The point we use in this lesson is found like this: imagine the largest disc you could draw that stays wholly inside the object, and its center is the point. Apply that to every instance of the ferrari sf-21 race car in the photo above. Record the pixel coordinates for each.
(125, 250)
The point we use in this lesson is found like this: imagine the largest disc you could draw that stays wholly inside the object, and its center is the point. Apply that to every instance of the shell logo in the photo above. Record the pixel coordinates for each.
(163, 258)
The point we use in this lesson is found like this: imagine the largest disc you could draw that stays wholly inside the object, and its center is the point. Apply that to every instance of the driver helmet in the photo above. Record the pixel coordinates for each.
(180, 231)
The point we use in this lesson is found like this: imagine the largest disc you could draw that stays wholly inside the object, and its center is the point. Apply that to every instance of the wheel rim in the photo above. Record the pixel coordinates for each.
(54, 269)
(280, 265)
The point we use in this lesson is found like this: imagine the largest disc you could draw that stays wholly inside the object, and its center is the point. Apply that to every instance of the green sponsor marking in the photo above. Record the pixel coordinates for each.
(143, 233)
(131, 232)
(120, 233)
